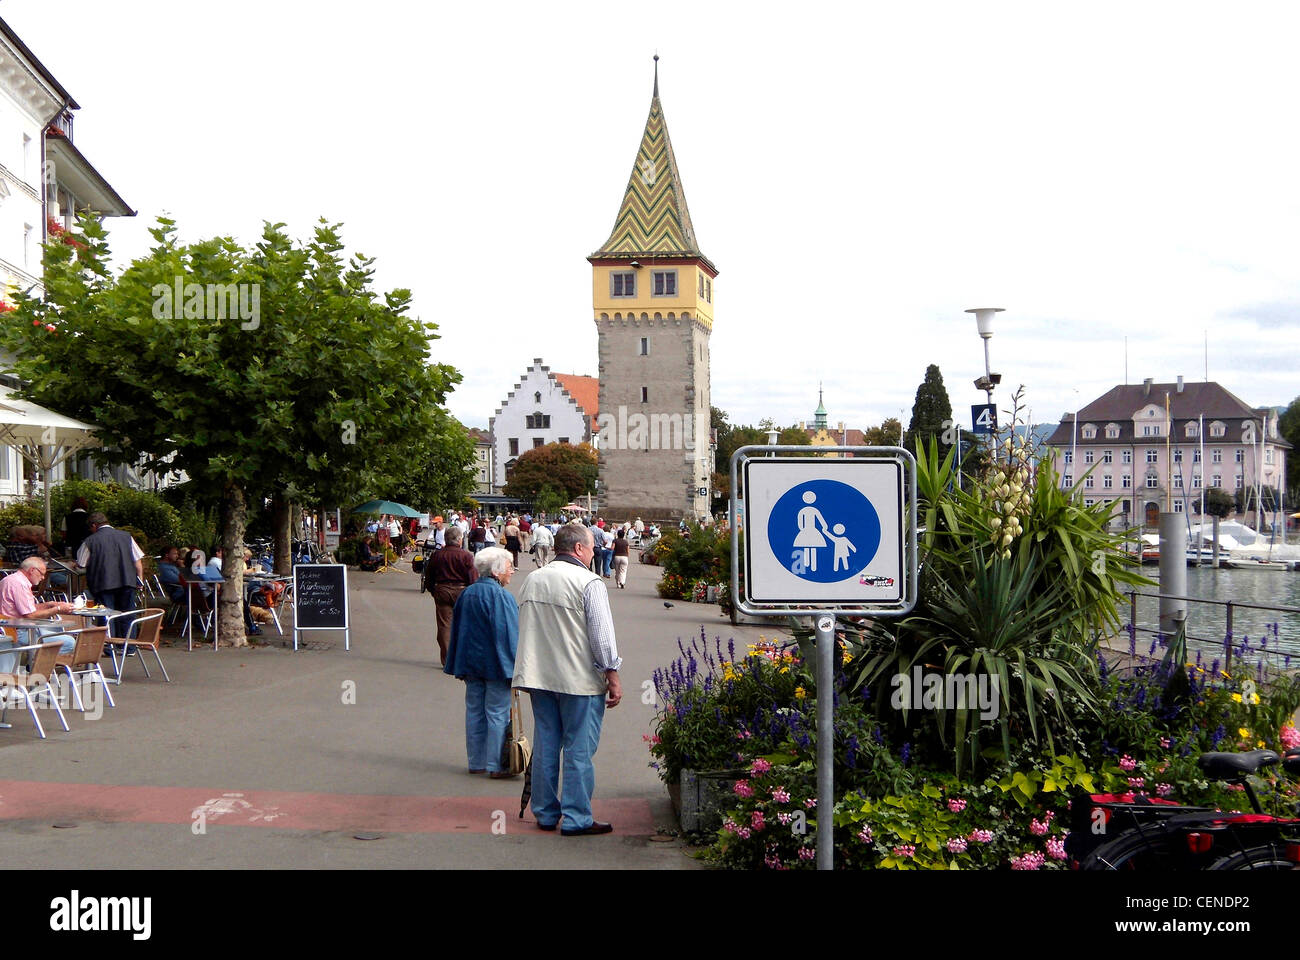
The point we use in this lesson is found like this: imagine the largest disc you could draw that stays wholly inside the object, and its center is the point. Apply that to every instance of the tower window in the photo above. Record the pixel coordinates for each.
(708, 291)
(514, 446)
(645, 347)
(537, 396)
(701, 279)
(665, 283)
(645, 394)
(622, 284)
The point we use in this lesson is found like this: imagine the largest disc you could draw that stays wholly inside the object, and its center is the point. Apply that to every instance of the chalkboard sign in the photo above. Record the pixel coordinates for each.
(320, 599)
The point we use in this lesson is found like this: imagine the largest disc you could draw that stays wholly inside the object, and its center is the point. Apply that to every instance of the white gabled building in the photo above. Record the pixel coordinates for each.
(543, 408)
(45, 181)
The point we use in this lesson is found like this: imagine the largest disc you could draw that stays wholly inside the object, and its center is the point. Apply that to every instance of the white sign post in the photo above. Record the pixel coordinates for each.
(826, 537)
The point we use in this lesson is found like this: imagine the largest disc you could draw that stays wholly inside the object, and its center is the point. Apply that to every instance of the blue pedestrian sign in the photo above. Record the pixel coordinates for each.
(826, 532)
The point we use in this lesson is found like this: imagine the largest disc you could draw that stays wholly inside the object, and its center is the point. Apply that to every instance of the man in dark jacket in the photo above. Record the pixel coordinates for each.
(447, 573)
(113, 568)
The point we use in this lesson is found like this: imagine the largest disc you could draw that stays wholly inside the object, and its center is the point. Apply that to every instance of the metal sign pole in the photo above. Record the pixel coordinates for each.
(825, 742)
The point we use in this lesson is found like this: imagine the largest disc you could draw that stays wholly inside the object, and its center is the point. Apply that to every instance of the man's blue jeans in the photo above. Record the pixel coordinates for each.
(569, 723)
(606, 562)
(487, 712)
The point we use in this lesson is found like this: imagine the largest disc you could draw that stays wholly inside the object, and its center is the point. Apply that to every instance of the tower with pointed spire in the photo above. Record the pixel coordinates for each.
(652, 300)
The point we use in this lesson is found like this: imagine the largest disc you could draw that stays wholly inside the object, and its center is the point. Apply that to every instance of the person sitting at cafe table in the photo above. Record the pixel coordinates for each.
(17, 601)
(169, 574)
(370, 561)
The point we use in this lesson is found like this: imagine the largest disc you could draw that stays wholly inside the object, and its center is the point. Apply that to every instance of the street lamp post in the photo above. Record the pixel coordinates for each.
(984, 323)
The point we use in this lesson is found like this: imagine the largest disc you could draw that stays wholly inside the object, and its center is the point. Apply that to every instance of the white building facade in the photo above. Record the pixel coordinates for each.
(538, 411)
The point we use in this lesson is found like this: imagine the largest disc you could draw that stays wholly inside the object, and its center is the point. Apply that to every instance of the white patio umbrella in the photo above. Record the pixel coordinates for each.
(43, 437)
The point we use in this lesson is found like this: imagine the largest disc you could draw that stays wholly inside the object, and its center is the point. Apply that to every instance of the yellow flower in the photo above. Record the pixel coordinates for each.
(1236, 698)
(785, 669)
(1243, 733)
(800, 693)
(1260, 744)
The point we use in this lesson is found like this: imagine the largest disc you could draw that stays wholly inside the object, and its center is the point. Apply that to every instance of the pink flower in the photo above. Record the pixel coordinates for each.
(785, 818)
(956, 806)
(780, 795)
(1029, 861)
(1127, 763)
(1056, 848)
(1137, 782)
(730, 826)
(1164, 789)
(655, 739)
(957, 845)
(865, 834)
(1049, 815)
(743, 789)
(807, 853)
(743, 833)
(905, 851)
(810, 803)
(757, 821)
(1038, 828)
(1164, 742)
(1289, 737)
(759, 766)
(981, 836)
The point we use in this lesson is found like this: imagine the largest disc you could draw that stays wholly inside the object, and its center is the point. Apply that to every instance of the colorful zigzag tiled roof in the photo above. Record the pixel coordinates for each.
(653, 219)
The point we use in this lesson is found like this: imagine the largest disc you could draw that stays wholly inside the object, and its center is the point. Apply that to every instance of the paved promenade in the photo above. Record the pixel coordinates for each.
(252, 758)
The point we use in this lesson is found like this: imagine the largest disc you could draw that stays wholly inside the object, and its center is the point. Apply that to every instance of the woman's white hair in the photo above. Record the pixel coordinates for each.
(492, 562)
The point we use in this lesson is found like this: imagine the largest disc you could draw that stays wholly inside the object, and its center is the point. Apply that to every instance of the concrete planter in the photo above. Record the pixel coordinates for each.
(702, 797)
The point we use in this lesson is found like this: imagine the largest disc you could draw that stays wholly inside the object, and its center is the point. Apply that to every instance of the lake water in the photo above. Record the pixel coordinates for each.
(1206, 622)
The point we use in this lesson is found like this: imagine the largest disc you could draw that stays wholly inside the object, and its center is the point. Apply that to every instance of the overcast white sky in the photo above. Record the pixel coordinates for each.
(859, 172)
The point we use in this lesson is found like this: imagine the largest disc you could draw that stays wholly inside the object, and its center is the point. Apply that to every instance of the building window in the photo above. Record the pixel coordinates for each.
(1087, 456)
(1178, 506)
(1112, 431)
(1151, 431)
(1106, 457)
(622, 284)
(1178, 481)
(1268, 455)
(1126, 456)
(645, 347)
(27, 246)
(1152, 480)
(1087, 502)
(514, 446)
(537, 396)
(700, 277)
(1217, 480)
(1196, 456)
(1240, 455)
(1240, 482)
(1153, 456)
(665, 283)
(1089, 432)
(1216, 456)
(1067, 481)
(538, 421)
(1069, 457)
(563, 440)
(538, 442)
(1196, 480)
(1108, 481)
(1218, 429)
(1178, 456)
(645, 394)
(1087, 481)
(708, 291)
(1126, 481)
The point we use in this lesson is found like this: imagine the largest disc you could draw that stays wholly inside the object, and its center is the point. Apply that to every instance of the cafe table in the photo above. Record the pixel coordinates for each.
(189, 583)
(37, 627)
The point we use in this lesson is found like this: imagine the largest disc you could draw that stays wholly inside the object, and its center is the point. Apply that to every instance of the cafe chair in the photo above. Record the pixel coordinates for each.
(84, 660)
(144, 632)
(34, 683)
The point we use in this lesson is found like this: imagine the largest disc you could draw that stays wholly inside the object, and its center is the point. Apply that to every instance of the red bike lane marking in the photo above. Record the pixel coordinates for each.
(288, 810)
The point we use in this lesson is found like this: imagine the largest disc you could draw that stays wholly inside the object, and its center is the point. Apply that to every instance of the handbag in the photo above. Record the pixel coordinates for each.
(516, 752)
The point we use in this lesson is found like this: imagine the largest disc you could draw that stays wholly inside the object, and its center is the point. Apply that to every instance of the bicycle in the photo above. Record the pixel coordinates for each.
(1162, 835)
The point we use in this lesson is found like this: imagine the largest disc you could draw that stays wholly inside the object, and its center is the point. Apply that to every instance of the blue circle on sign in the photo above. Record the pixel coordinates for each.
(824, 531)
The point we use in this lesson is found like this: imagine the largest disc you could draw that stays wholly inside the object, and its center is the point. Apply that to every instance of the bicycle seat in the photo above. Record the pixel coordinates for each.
(1234, 766)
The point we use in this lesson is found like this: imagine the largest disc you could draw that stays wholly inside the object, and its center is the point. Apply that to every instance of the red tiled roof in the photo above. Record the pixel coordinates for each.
(585, 390)
(479, 436)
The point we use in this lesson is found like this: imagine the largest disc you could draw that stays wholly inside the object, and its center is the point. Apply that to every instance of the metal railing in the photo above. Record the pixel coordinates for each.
(1230, 606)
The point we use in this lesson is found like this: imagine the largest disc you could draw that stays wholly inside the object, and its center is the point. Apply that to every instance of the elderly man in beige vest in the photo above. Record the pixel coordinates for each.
(568, 662)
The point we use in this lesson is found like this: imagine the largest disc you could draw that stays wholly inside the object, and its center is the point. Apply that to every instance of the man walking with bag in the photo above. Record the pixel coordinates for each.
(568, 662)
(446, 573)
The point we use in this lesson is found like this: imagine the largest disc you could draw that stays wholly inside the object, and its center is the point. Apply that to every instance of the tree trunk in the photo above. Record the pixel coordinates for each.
(230, 612)
(280, 531)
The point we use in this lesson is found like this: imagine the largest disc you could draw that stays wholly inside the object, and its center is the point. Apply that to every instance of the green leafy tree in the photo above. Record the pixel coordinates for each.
(885, 435)
(562, 466)
(244, 404)
(1218, 503)
(440, 471)
(931, 414)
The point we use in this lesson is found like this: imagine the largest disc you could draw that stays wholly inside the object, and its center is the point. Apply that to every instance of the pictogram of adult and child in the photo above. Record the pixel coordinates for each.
(812, 540)
(823, 530)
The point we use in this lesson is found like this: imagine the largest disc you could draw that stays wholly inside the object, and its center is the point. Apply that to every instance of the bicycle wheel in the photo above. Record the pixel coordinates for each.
(1131, 850)
(1268, 856)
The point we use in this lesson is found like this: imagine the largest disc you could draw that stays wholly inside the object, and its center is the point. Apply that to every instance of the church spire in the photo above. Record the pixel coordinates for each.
(653, 219)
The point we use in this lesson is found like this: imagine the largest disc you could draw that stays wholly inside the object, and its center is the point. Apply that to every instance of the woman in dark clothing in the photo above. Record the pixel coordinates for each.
(622, 555)
(78, 525)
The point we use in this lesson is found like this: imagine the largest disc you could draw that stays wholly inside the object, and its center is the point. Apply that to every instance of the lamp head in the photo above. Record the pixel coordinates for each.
(984, 319)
